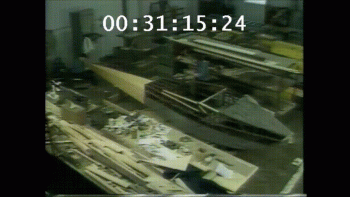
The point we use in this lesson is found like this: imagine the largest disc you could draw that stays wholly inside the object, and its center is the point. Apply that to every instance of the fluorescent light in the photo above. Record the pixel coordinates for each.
(262, 2)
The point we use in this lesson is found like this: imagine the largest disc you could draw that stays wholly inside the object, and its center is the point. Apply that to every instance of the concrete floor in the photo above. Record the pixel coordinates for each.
(275, 162)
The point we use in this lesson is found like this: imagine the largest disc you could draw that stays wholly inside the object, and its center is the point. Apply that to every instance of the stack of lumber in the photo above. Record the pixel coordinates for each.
(134, 169)
(132, 175)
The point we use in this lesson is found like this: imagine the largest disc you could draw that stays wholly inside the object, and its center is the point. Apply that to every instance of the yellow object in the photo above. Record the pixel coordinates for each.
(131, 84)
(299, 66)
(287, 49)
(291, 93)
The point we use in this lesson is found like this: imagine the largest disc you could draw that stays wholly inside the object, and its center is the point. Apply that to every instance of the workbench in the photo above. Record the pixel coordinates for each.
(276, 174)
(267, 73)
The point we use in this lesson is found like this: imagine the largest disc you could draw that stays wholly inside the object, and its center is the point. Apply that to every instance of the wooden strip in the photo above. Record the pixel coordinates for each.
(180, 102)
(116, 107)
(231, 59)
(293, 181)
(114, 164)
(67, 128)
(208, 107)
(58, 142)
(100, 140)
(88, 158)
(95, 170)
(203, 110)
(50, 107)
(179, 96)
(141, 170)
(231, 48)
(213, 95)
(77, 139)
(115, 190)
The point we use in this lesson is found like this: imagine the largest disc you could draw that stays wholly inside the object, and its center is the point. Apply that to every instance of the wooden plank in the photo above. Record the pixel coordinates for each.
(116, 107)
(107, 153)
(264, 64)
(100, 140)
(118, 166)
(177, 164)
(76, 138)
(139, 168)
(52, 108)
(231, 59)
(208, 107)
(114, 190)
(287, 49)
(230, 184)
(222, 46)
(179, 96)
(94, 169)
(180, 102)
(130, 84)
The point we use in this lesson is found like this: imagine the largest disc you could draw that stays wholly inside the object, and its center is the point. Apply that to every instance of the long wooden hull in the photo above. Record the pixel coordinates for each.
(130, 84)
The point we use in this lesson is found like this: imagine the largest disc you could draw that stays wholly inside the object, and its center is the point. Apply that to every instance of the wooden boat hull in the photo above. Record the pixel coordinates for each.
(200, 131)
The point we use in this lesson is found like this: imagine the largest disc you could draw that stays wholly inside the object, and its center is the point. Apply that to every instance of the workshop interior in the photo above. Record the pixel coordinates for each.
(174, 97)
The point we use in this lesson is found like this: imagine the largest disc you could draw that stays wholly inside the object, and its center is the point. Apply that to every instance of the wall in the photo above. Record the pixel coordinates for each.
(191, 7)
(251, 11)
(57, 19)
(256, 12)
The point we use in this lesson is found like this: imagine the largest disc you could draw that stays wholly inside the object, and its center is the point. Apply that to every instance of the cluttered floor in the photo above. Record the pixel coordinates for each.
(280, 166)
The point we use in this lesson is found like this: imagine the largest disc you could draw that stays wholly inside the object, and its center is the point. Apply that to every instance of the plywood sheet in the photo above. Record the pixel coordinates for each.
(178, 164)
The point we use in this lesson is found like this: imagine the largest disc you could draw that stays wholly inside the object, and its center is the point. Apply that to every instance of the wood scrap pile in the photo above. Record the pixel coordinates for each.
(173, 149)
(128, 176)
(132, 152)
